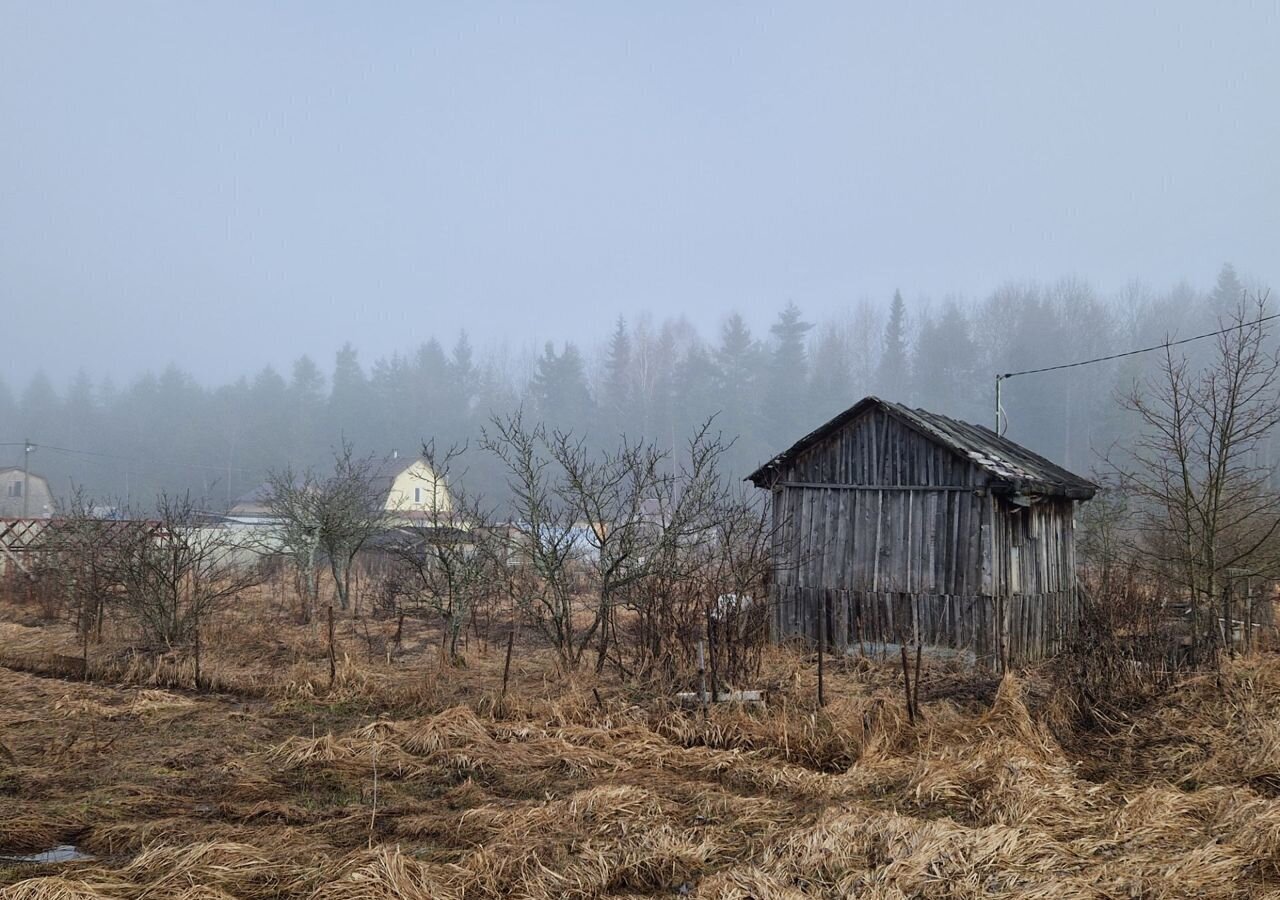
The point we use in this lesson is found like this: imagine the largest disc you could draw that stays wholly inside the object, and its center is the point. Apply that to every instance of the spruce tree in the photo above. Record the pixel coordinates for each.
(351, 414)
(1227, 293)
(788, 407)
(306, 409)
(943, 369)
(893, 372)
(617, 391)
(560, 390)
(831, 383)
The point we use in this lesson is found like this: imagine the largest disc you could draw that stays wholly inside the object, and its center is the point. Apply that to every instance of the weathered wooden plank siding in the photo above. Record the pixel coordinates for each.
(899, 539)
(876, 449)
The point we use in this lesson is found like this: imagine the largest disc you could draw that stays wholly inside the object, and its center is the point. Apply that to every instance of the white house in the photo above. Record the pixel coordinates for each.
(407, 488)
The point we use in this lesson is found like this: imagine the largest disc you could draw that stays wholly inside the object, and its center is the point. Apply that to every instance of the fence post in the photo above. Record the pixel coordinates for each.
(702, 676)
(333, 660)
(1246, 617)
(822, 651)
(906, 684)
(506, 665)
(711, 652)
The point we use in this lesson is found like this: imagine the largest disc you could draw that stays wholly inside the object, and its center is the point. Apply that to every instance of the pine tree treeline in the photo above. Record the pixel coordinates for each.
(659, 380)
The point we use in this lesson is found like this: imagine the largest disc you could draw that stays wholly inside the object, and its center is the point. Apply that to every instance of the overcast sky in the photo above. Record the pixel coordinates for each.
(226, 185)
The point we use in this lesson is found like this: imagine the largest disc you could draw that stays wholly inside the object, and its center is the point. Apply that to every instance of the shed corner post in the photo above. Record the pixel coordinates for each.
(774, 587)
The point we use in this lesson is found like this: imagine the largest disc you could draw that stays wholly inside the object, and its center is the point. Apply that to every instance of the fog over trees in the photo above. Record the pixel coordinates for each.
(166, 432)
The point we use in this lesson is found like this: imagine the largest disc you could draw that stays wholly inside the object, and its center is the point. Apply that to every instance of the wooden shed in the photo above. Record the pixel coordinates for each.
(900, 525)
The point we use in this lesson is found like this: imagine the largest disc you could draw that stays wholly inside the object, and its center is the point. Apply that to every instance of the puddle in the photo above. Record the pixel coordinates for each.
(59, 854)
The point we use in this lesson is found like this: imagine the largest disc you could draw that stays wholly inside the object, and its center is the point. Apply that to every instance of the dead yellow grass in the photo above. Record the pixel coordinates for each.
(408, 781)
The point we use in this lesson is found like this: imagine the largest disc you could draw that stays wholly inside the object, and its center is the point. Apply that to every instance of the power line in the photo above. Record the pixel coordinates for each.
(1161, 346)
(128, 459)
(1000, 378)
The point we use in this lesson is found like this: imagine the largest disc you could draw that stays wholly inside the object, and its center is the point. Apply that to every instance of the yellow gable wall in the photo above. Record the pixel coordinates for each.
(417, 489)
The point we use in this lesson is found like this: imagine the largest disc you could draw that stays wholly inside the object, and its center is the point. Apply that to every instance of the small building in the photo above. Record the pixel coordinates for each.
(896, 525)
(253, 508)
(411, 491)
(24, 495)
(406, 487)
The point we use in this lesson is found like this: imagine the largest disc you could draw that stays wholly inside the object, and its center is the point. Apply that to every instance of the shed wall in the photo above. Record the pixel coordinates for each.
(898, 538)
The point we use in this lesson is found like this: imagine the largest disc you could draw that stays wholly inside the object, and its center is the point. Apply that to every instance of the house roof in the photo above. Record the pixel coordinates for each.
(259, 496)
(392, 466)
(1011, 466)
(18, 470)
(386, 472)
(382, 476)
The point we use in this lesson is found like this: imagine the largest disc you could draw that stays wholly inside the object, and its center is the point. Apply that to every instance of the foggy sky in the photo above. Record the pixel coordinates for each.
(227, 185)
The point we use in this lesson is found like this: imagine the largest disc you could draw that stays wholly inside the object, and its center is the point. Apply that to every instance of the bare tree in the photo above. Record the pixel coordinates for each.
(629, 529)
(447, 565)
(618, 497)
(1196, 473)
(294, 502)
(335, 515)
(351, 513)
(541, 542)
(709, 566)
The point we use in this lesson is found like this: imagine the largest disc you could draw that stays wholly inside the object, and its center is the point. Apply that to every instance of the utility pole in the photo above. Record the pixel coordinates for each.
(26, 474)
(999, 379)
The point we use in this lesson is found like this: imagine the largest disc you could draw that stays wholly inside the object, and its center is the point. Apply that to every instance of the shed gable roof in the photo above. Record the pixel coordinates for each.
(1010, 466)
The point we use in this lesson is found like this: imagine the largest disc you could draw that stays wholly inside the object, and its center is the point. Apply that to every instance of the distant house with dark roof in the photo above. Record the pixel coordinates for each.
(898, 525)
(406, 486)
(410, 489)
(24, 495)
(253, 507)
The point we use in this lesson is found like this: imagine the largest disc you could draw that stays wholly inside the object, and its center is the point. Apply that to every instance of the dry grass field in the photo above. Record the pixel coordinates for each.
(412, 781)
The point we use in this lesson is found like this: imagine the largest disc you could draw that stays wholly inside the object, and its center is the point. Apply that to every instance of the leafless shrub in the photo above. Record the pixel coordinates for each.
(175, 571)
(293, 500)
(447, 564)
(619, 497)
(709, 573)
(1195, 475)
(631, 553)
(541, 541)
(334, 515)
(1134, 639)
(351, 514)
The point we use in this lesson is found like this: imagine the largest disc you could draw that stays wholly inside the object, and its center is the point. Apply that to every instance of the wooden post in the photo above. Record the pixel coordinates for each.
(373, 814)
(915, 690)
(1248, 616)
(197, 636)
(506, 665)
(862, 647)
(1227, 643)
(702, 676)
(1002, 631)
(822, 651)
(333, 658)
(906, 685)
(711, 649)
